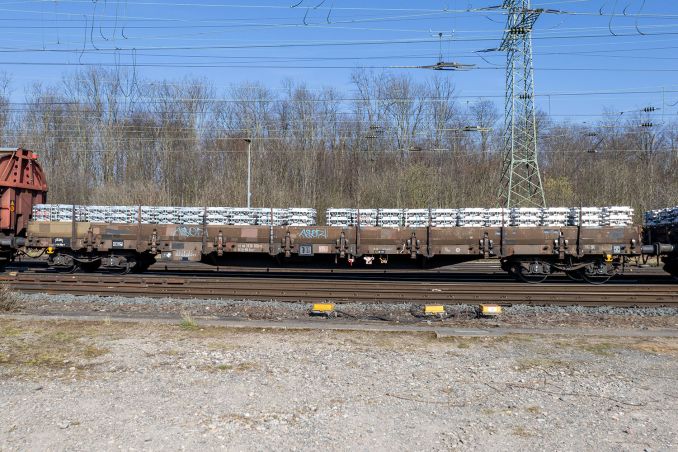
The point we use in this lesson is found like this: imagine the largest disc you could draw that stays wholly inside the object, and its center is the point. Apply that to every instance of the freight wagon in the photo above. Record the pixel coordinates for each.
(131, 239)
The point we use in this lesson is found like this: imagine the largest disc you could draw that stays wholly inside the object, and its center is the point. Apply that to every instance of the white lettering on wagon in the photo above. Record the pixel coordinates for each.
(313, 233)
(186, 253)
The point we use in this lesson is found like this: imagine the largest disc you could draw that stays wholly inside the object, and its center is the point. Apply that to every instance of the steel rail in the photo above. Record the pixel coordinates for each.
(343, 291)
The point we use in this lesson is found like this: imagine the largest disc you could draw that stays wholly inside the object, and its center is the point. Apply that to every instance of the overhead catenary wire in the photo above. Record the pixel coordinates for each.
(351, 15)
(327, 43)
(480, 10)
(327, 67)
(670, 89)
(603, 53)
(452, 152)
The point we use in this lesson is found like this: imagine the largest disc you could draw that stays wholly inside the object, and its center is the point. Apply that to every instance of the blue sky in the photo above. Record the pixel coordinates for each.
(625, 48)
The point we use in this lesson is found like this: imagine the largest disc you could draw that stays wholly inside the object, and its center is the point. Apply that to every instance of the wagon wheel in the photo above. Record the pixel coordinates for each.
(522, 275)
(67, 268)
(139, 267)
(594, 278)
(127, 269)
(89, 267)
(575, 275)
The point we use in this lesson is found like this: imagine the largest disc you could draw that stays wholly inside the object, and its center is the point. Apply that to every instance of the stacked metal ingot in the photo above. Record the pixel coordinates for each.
(218, 215)
(662, 217)
(300, 216)
(472, 217)
(42, 212)
(339, 217)
(241, 216)
(391, 218)
(525, 217)
(586, 216)
(367, 217)
(555, 216)
(617, 216)
(345, 217)
(417, 218)
(497, 217)
(444, 218)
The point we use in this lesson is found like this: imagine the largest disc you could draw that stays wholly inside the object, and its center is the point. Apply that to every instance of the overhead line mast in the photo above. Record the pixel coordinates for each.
(521, 184)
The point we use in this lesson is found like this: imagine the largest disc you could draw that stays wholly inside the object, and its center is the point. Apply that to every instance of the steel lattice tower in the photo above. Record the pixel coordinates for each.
(521, 184)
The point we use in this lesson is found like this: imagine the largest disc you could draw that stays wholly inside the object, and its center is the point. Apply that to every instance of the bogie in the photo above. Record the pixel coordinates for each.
(593, 271)
(532, 272)
(113, 262)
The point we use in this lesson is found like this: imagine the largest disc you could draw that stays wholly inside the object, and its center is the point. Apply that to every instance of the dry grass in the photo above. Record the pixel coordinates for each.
(188, 323)
(533, 409)
(239, 367)
(600, 348)
(30, 349)
(9, 301)
(597, 346)
(657, 346)
(9, 330)
(91, 352)
(522, 432)
(221, 346)
(60, 345)
(542, 363)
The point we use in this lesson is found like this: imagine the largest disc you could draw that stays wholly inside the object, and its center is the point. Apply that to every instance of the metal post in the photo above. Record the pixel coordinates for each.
(521, 184)
(249, 172)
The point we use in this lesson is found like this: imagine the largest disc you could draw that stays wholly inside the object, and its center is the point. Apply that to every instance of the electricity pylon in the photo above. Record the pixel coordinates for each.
(521, 184)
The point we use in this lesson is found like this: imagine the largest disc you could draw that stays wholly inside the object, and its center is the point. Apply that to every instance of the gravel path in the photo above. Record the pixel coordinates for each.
(108, 386)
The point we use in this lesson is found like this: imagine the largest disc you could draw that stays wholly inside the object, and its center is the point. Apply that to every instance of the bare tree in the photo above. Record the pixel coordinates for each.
(108, 137)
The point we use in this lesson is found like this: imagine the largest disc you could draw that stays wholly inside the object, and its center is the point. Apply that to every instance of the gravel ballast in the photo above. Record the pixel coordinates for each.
(524, 316)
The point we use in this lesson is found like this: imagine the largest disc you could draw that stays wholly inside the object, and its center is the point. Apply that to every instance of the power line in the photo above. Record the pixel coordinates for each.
(671, 89)
(349, 43)
(347, 16)
(360, 9)
(324, 67)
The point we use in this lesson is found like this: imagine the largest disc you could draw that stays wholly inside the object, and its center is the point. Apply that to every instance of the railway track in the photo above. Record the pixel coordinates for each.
(473, 271)
(345, 290)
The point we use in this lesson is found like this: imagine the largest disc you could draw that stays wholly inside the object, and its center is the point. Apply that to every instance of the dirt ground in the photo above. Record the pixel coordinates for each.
(69, 385)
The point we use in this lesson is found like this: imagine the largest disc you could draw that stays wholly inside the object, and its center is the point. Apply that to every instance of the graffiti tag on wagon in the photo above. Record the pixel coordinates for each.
(187, 231)
(313, 233)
